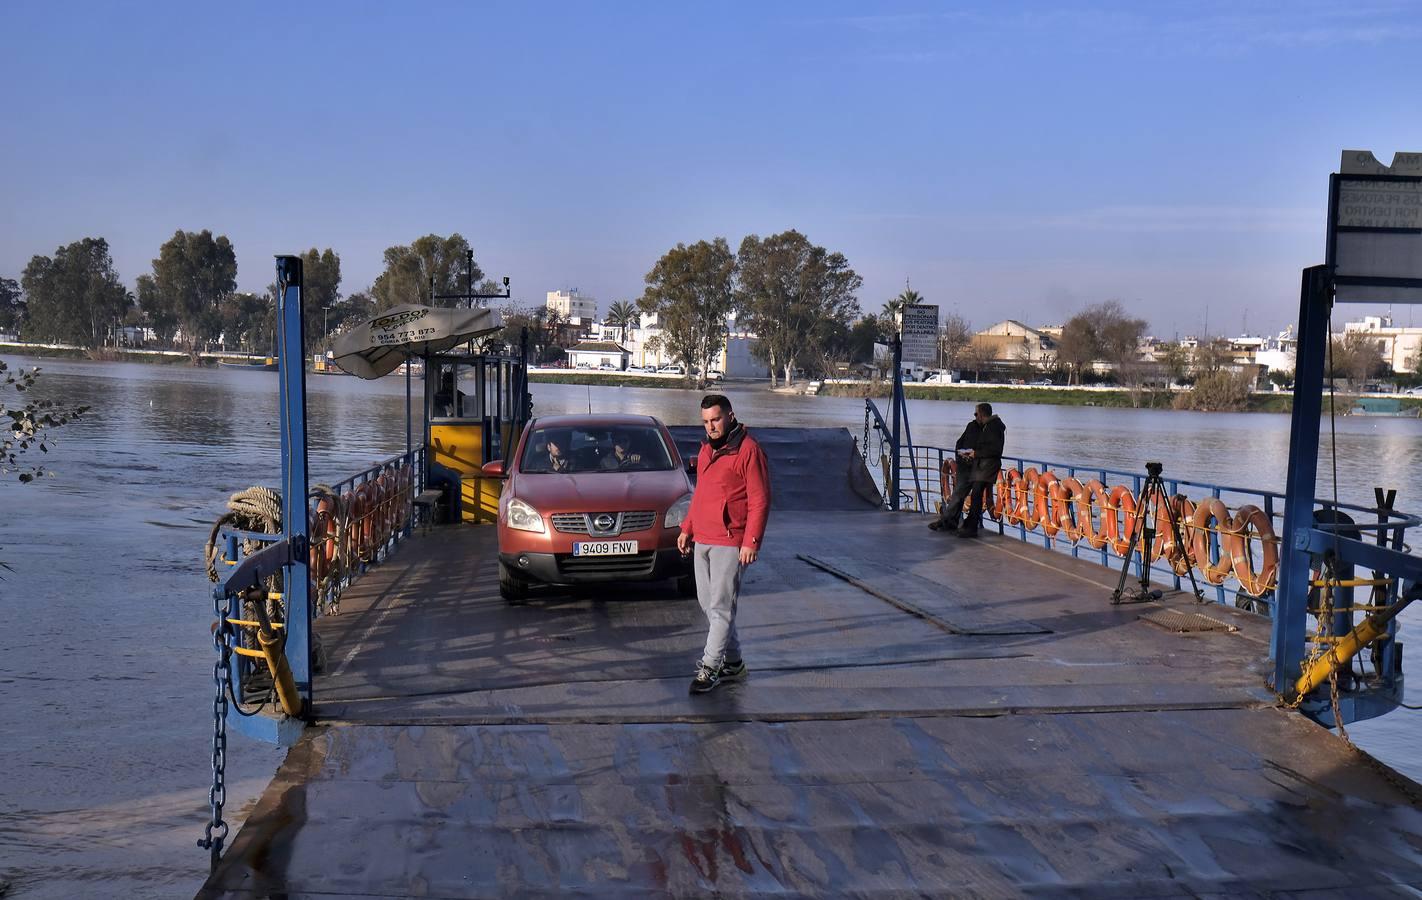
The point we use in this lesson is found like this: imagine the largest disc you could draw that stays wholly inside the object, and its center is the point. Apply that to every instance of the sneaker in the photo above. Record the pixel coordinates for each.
(967, 532)
(706, 680)
(733, 671)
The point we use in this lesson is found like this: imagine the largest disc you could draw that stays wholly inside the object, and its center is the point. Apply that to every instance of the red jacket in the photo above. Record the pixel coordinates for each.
(732, 499)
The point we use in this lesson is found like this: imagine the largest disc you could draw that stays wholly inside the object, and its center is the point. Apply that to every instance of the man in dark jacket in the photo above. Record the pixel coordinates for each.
(726, 523)
(979, 460)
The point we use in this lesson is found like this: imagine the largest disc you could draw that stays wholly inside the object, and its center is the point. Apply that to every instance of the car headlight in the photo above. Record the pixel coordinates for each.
(677, 514)
(524, 517)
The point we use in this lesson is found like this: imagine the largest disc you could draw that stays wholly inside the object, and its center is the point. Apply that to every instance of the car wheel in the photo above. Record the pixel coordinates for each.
(512, 588)
(686, 585)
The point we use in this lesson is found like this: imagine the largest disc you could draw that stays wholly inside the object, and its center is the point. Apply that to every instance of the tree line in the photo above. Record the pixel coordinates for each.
(799, 300)
(189, 298)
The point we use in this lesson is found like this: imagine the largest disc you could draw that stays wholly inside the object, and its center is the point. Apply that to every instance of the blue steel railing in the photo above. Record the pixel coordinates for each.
(270, 553)
(1375, 538)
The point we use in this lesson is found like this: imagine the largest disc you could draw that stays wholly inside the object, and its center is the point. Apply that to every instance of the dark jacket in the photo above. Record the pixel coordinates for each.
(987, 454)
(732, 499)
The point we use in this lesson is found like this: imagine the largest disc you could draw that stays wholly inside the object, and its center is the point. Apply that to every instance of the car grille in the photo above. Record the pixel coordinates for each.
(580, 523)
(619, 566)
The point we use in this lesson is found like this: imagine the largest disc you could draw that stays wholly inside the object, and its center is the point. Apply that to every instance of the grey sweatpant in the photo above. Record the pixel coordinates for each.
(718, 586)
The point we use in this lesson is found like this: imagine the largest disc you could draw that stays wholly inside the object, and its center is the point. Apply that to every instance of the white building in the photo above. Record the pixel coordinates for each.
(1279, 352)
(597, 354)
(647, 348)
(1399, 346)
(572, 305)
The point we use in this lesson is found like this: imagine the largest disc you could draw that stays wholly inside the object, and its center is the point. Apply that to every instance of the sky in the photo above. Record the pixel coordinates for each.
(1017, 160)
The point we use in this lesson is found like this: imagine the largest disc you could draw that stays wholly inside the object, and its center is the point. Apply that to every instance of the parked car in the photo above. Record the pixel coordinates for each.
(634, 370)
(671, 370)
(1041, 382)
(575, 511)
(607, 367)
(715, 375)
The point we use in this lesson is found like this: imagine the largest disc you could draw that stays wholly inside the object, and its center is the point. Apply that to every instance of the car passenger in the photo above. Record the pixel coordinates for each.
(557, 450)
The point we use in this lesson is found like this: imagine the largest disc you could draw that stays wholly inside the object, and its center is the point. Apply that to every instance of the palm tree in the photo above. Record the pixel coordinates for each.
(623, 315)
(893, 307)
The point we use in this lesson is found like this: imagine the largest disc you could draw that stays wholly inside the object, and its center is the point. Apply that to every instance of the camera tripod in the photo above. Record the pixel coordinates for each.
(1153, 490)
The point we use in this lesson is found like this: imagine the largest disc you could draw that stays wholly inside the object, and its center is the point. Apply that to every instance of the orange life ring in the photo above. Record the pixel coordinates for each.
(382, 510)
(1255, 582)
(1213, 570)
(1180, 558)
(1095, 499)
(1049, 503)
(323, 540)
(1012, 488)
(947, 472)
(1116, 519)
(1070, 497)
(1027, 498)
(363, 512)
(996, 499)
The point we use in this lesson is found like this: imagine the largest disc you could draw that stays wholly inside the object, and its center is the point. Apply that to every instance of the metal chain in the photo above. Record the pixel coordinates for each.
(215, 833)
(864, 446)
(1326, 597)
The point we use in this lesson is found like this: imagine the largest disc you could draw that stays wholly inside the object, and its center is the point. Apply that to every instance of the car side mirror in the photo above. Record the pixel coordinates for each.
(494, 469)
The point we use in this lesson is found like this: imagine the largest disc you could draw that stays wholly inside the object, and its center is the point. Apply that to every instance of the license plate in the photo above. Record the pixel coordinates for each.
(604, 548)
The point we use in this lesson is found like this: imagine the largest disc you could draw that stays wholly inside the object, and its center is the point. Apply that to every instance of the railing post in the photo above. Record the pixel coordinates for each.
(1291, 600)
(292, 372)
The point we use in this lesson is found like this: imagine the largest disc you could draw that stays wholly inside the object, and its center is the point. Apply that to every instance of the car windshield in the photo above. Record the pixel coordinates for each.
(595, 448)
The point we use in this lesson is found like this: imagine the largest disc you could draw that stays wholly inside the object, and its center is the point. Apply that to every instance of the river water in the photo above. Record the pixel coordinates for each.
(106, 659)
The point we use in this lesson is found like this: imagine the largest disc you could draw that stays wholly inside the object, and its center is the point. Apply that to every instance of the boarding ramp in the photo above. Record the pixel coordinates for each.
(810, 468)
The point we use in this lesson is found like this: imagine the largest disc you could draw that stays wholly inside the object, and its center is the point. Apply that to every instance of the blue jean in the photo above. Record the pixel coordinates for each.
(718, 587)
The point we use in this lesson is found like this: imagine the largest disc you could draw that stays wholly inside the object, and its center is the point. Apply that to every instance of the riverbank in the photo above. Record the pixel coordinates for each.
(1102, 396)
(1124, 398)
(1150, 398)
(112, 354)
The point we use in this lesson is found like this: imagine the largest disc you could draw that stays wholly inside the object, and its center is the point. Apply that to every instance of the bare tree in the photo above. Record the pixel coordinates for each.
(976, 357)
(1357, 357)
(953, 339)
(1103, 331)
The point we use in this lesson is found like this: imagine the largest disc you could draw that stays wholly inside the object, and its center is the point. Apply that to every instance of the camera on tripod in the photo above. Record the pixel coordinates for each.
(1154, 498)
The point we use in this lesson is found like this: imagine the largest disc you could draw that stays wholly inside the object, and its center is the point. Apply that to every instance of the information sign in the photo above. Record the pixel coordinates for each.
(1375, 230)
(919, 329)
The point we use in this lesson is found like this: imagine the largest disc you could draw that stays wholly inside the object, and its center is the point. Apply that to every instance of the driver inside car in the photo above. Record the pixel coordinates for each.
(621, 456)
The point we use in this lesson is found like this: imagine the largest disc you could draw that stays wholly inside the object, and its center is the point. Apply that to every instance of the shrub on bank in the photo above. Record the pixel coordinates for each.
(1218, 392)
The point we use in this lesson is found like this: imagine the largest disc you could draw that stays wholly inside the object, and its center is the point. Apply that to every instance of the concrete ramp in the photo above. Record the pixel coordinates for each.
(810, 468)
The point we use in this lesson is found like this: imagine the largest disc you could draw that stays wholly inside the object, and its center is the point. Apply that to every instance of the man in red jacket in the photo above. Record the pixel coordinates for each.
(726, 523)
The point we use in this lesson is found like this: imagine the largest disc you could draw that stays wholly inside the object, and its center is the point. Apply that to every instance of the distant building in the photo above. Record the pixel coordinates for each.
(1279, 352)
(596, 354)
(1399, 346)
(647, 345)
(572, 305)
(1013, 341)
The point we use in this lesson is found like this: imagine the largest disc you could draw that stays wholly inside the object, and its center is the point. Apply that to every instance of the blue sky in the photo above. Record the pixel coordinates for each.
(1008, 159)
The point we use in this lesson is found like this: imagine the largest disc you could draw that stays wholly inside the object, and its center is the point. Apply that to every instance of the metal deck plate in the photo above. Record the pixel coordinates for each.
(1182, 622)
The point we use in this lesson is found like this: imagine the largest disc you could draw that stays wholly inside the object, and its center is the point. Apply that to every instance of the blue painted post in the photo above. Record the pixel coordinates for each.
(407, 473)
(898, 401)
(291, 346)
(1291, 602)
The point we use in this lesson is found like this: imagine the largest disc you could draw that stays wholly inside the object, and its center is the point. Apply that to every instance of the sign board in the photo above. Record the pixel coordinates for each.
(1375, 229)
(919, 328)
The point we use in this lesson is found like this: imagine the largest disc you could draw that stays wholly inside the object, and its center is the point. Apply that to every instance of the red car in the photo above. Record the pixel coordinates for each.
(592, 498)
